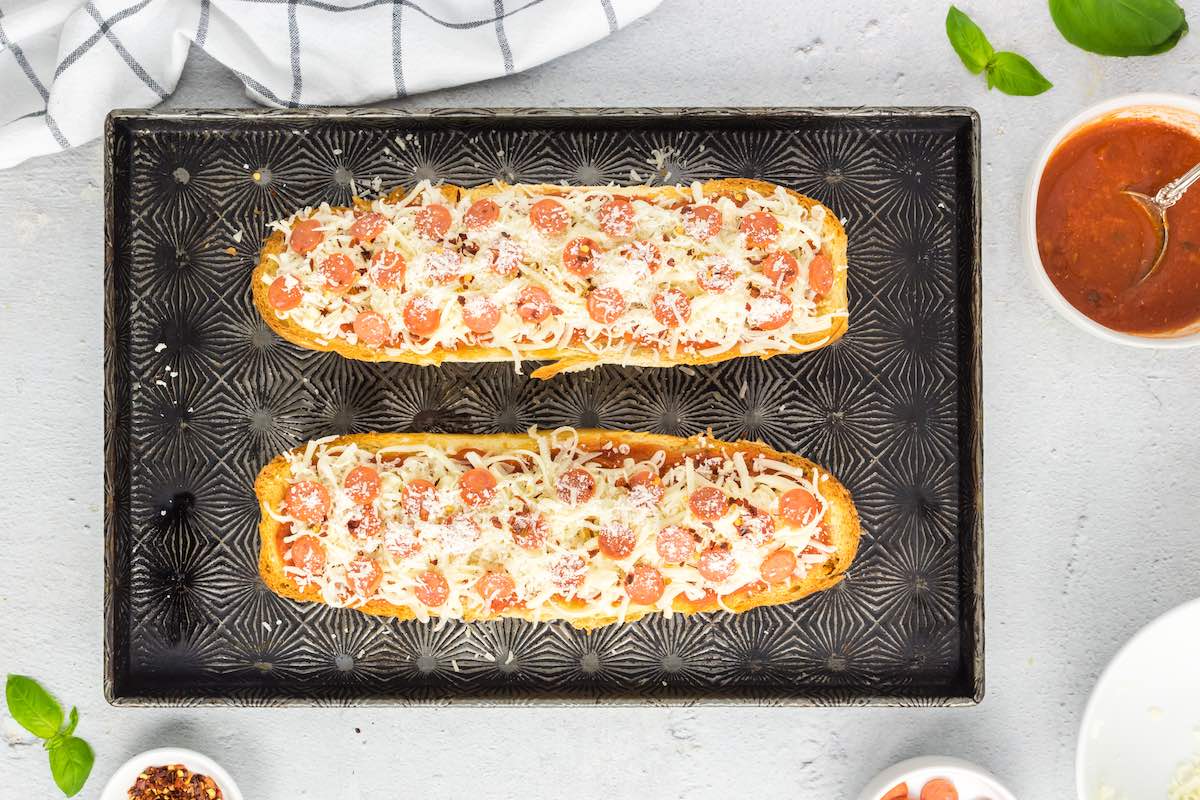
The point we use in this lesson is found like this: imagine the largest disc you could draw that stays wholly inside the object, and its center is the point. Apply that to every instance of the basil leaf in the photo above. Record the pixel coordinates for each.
(32, 706)
(1120, 27)
(968, 41)
(72, 721)
(1013, 74)
(70, 764)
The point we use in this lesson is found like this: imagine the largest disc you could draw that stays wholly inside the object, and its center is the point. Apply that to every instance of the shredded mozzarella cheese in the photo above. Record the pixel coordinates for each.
(510, 254)
(545, 539)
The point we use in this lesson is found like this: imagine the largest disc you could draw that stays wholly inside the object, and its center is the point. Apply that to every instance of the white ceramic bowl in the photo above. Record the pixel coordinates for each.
(1141, 722)
(118, 785)
(1178, 109)
(972, 782)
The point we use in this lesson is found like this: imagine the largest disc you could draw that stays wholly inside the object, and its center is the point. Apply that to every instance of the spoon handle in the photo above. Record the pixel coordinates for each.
(1169, 195)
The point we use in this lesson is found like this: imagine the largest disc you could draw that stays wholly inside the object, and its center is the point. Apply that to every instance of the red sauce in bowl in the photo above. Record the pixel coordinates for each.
(1094, 241)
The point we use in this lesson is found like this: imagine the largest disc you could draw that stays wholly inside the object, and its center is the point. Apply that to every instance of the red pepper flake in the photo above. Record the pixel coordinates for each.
(173, 782)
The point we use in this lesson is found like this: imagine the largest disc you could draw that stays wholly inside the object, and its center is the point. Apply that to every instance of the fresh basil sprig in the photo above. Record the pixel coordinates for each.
(1008, 72)
(36, 711)
(1013, 74)
(1120, 27)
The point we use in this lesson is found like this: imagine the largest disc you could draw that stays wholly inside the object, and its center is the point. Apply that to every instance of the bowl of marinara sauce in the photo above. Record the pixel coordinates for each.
(1087, 243)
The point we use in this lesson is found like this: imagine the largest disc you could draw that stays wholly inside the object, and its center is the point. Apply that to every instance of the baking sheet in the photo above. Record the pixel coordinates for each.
(199, 394)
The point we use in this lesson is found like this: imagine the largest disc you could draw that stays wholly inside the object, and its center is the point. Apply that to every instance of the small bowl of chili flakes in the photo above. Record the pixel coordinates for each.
(170, 773)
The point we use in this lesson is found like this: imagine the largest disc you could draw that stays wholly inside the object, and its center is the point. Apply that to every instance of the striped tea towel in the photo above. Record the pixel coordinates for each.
(64, 64)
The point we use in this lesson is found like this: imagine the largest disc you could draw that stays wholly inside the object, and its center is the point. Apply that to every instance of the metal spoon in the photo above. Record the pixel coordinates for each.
(1157, 206)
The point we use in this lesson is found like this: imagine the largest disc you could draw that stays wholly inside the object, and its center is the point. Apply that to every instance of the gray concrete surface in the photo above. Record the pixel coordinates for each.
(1091, 503)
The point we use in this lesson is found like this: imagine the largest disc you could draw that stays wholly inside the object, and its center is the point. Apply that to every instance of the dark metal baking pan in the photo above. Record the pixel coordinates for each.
(199, 394)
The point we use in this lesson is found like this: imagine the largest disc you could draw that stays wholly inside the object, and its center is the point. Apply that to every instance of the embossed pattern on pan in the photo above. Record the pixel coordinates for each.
(199, 394)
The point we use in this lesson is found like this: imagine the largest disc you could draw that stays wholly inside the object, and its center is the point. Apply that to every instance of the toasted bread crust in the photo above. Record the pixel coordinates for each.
(841, 520)
(571, 359)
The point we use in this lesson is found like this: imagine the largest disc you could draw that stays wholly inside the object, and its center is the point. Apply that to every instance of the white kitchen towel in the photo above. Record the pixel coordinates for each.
(65, 64)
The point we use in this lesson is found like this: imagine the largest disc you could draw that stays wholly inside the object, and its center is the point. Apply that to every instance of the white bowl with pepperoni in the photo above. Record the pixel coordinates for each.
(197, 764)
(935, 778)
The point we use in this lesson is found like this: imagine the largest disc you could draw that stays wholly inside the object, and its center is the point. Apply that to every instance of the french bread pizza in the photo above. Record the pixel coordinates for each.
(577, 276)
(592, 527)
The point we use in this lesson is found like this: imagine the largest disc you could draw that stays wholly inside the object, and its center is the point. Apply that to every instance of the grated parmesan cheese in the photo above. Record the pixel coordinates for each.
(467, 543)
(510, 254)
(1186, 783)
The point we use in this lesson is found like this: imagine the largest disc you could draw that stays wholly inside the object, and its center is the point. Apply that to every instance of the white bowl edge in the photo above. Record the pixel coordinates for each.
(1087, 721)
(1186, 103)
(953, 768)
(118, 785)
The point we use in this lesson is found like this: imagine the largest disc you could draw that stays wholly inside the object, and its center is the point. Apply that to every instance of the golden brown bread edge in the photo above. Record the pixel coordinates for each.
(841, 519)
(572, 360)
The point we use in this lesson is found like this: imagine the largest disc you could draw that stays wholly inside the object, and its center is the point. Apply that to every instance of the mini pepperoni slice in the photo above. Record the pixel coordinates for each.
(338, 270)
(798, 507)
(579, 256)
(497, 589)
(760, 227)
(432, 588)
(419, 498)
(459, 534)
(507, 257)
(362, 484)
(716, 274)
(702, 222)
(528, 530)
(477, 486)
(307, 501)
(716, 564)
(778, 566)
(534, 304)
(284, 293)
(568, 571)
(481, 214)
(671, 308)
(550, 217)
(364, 576)
(366, 525)
(939, 789)
(308, 554)
(642, 255)
(371, 328)
(616, 540)
(708, 503)
(387, 269)
(432, 221)
(367, 227)
(646, 488)
(769, 311)
(781, 269)
(645, 585)
(306, 235)
(616, 217)
(707, 601)
(480, 313)
(444, 265)
(422, 316)
(897, 792)
(675, 544)
(575, 486)
(401, 541)
(820, 273)
(605, 304)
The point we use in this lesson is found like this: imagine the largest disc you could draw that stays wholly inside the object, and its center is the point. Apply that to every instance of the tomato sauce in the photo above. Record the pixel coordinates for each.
(1095, 241)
